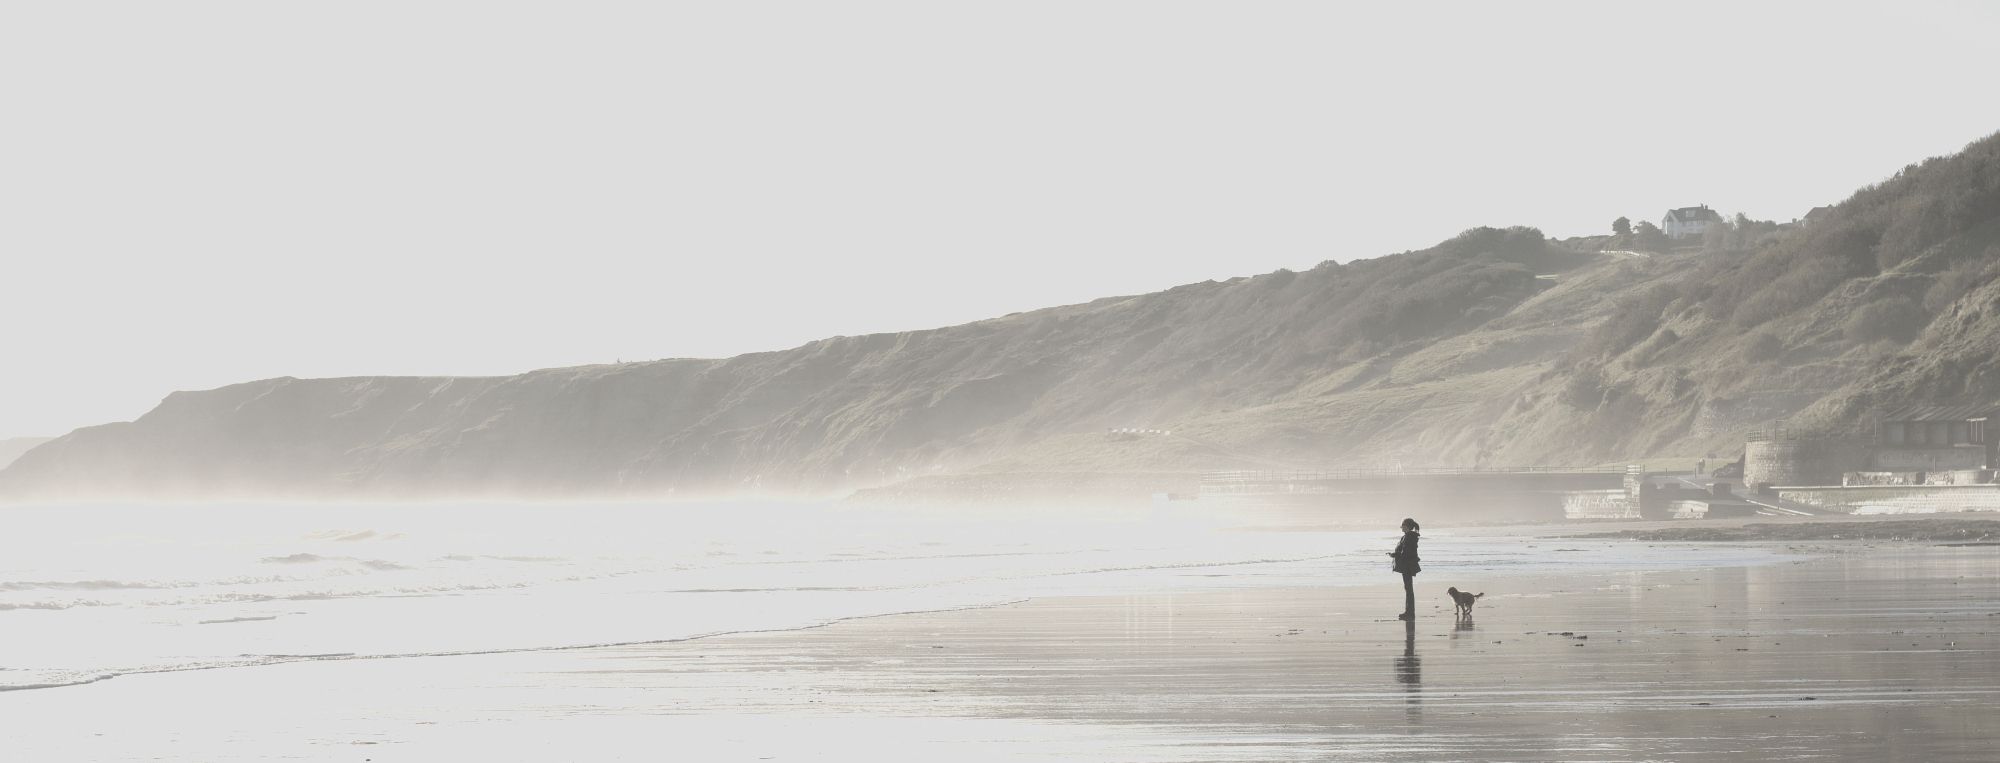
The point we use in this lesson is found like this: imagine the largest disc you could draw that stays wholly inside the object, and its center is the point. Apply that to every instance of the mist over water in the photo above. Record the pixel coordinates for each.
(99, 591)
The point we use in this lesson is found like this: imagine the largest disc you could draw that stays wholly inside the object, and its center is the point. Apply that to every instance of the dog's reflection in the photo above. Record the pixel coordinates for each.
(1462, 626)
(1410, 673)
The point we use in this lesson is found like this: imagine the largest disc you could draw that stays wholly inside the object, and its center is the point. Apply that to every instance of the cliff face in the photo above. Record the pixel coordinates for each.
(1886, 299)
(1494, 348)
(12, 448)
(841, 412)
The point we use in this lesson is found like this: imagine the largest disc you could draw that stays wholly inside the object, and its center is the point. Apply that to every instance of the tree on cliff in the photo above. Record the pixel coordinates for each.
(1649, 236)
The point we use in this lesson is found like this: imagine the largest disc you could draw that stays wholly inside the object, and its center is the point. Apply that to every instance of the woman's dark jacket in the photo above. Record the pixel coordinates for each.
(1406, 555)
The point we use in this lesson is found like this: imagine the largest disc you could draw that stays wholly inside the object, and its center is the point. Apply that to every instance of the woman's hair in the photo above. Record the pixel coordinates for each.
(1409, 524)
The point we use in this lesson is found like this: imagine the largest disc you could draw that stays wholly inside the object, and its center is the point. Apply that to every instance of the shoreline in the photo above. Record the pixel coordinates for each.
(1519, 533)
(1283, 671)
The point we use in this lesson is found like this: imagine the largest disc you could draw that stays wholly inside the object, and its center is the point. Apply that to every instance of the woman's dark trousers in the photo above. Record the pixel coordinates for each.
(1410, 595)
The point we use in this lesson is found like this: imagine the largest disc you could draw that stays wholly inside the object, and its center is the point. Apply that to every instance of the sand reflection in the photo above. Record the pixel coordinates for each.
(1410, 673)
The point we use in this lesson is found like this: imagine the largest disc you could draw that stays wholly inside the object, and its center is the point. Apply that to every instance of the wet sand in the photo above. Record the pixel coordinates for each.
(1865, 653)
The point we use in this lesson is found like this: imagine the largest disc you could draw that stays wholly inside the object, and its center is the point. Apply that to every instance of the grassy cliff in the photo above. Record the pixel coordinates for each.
(1497, 347)
(1888, 298)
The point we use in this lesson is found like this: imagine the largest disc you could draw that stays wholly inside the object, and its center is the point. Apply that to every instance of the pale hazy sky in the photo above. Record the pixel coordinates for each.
(194, 194)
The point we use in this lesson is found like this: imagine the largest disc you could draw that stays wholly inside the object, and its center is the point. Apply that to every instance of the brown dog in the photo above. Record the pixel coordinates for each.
(1463, 600)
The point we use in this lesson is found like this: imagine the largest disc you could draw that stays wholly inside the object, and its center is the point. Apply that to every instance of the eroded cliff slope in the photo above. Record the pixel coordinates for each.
(1497, 347)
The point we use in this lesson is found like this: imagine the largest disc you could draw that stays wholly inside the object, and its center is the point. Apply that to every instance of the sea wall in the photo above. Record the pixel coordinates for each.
(1897, 499)
(1684, 508)
(1956, 477)
(1599, 504)
(1929, 459)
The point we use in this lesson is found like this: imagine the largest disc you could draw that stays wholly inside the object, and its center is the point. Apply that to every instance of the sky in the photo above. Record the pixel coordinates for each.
(202, 193)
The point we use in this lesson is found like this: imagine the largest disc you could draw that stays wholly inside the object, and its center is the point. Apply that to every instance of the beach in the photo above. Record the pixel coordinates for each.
(1833, 651)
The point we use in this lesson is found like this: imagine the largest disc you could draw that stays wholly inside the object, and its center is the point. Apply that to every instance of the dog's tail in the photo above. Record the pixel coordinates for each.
(1477, 595)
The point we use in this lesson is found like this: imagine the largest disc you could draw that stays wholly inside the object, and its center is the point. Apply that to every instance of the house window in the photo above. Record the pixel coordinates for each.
(1978, 427)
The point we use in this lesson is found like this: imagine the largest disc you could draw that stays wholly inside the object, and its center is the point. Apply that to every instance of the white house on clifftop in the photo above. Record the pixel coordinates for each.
(1688, 221)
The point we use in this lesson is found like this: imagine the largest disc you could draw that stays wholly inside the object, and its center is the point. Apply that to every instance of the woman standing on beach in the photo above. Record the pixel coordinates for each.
(1406, 563)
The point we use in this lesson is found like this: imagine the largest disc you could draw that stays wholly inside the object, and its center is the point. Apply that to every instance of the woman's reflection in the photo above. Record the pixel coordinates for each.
(1410, 673)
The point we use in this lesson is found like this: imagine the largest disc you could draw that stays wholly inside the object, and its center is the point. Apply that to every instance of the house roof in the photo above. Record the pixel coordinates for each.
(1939, 412)
(1817, 211)
(1692, 214)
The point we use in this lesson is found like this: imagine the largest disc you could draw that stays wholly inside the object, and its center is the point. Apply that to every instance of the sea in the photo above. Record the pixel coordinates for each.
(92, 592)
